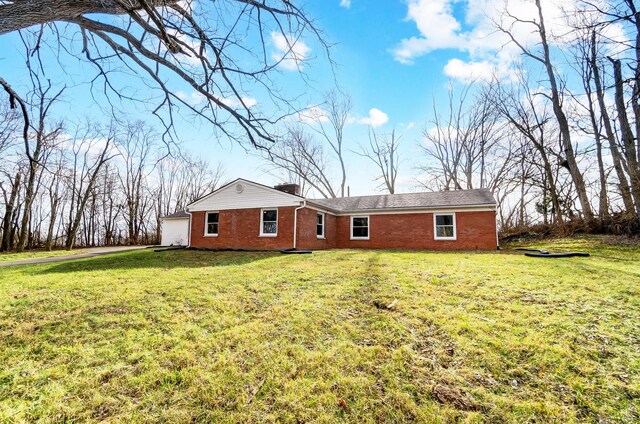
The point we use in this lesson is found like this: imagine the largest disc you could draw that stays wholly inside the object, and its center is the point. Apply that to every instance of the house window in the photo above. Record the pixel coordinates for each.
(445, 226)
(359, 228)
(269, 222)
(211, 229)
(320, 225)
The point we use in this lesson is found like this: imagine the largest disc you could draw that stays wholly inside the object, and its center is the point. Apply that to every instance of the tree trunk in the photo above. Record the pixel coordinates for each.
(603, 200)
(54, 209)
(628, 140)
(616, 157)
(563, 123)
(28, 198)
(7, 229)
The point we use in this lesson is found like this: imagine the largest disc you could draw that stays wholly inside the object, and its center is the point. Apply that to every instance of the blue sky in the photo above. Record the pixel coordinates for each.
(395, 56)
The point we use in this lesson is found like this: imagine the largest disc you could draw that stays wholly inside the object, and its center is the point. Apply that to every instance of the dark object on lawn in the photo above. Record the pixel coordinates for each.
(536, 253)
(557, 255)
(170, 248)
(383, 305)
(295, 251)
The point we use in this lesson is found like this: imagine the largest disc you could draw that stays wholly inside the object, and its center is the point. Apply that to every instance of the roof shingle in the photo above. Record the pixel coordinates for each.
(178, 214)
(425, 200)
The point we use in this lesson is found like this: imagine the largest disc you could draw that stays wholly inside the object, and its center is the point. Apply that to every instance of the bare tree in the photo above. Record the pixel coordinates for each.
(10, 212)
(383, 152)
(298, 153)
(616, 156)
(172, 43)
(329, 123)
(181, 180)
(136, 147)
(56, 195)
(459, 140)
(43, 97)
(628, 138)
(556, 97)
(87, 165)
(518, 105)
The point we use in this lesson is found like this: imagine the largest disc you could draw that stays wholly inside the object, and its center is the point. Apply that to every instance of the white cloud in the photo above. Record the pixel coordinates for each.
(438, 28)
(457, 69)
(483, 70)
(376, 118)
(291, 52)
(313, 115)
(469, 27)
(234, 102)
(194, 97)
(345, 3)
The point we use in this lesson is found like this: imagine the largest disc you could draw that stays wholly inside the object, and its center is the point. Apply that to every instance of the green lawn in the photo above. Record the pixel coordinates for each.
(186, 336)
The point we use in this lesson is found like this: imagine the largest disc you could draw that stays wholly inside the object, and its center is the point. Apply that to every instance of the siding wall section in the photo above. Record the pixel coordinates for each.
(253, 196)
(175, 231)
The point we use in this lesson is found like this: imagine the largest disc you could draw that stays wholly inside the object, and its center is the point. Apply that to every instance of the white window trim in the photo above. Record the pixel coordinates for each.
(435, 229)
(206, 224)
(351, 237)
(262, 222)
(324, 222)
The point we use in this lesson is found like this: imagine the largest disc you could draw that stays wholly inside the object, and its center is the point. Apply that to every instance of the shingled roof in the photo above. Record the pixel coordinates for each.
(433, 200)
(179, 214)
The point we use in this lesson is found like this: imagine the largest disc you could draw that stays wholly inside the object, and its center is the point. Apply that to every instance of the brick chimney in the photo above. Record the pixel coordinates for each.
(289, 188)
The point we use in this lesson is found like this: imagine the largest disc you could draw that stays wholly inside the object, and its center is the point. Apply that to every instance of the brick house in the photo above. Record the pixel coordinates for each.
(247, 215)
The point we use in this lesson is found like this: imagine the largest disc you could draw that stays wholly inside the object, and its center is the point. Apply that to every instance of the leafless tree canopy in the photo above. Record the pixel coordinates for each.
(216, 49)
(382, 152)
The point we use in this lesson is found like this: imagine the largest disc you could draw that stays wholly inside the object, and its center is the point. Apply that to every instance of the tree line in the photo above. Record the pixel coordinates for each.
(91, 184)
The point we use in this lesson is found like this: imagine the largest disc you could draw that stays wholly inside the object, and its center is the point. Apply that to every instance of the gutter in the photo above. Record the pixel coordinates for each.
(189, 232)
(295, 222)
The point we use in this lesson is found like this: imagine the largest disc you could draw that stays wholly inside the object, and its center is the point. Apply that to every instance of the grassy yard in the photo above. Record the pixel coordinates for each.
(186, 336)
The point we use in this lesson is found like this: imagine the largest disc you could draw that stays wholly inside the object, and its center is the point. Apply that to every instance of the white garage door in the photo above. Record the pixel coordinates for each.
(175, 232)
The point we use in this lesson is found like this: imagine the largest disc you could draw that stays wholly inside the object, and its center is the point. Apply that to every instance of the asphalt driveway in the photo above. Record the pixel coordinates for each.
(84, 253)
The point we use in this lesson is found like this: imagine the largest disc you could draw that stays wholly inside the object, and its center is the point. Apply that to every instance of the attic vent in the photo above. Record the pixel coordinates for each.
(239, 188)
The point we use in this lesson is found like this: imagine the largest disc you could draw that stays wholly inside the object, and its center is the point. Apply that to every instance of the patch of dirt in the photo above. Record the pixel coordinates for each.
(455, 397)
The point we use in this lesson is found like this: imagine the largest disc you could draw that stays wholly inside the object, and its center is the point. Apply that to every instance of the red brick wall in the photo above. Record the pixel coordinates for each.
(307, 237)
(240, 229)
(475, 230)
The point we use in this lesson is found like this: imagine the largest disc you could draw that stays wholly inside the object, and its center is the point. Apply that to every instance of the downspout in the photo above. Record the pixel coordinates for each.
(295, 222)
(189, 232)
(496, 224)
